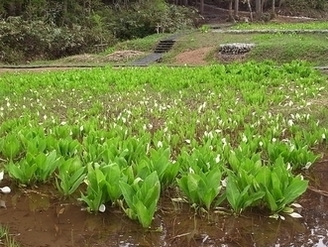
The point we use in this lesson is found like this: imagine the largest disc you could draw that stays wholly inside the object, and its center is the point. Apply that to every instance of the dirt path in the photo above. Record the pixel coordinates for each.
(194, 57)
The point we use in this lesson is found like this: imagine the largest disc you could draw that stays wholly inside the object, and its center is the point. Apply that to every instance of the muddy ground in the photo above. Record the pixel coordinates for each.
(38, 218)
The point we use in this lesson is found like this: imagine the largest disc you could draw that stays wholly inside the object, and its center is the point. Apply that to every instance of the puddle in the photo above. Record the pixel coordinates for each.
(40, 220)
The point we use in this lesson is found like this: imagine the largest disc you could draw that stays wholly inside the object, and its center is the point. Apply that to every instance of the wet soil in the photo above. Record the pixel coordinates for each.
(38, 218)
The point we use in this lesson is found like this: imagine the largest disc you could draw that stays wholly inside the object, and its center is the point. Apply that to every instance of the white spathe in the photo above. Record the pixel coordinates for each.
(5, 190)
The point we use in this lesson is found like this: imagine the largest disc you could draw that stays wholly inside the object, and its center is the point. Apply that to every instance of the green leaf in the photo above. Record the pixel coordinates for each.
(271, 202)
(151, 190)
(76, 180)
(11, 146)
(296, 188)
(263, 177)
(253, 198)
(192, 183)
(113, 176)
(233, 193)
(234, 162)
(145, 217)
(128, 193)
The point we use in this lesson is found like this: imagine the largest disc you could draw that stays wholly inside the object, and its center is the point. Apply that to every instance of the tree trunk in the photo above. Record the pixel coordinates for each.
(250, 10)
(201, 7)
(236, 9)
(258, 8)
(186, 3)
(230, 12)
(274, 7)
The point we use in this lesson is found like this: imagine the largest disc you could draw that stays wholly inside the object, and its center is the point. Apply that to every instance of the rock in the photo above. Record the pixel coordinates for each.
(235, 48)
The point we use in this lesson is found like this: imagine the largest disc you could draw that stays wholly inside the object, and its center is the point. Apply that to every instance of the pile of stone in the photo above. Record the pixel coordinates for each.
(235, 48)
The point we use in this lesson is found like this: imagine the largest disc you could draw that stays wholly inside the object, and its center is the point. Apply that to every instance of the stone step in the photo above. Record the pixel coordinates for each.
(164, 46)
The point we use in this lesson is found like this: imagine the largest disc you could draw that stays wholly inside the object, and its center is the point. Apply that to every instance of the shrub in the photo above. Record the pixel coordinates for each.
(22, 41)
(141, 19)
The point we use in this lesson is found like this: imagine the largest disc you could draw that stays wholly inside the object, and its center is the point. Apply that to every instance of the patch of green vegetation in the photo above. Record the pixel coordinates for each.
(313, 25)
(196, 40)
(6, 239)
(287, 47)
(236, 135)
(278, 47)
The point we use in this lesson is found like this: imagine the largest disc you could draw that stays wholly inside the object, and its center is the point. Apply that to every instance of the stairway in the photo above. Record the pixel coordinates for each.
(164, 46)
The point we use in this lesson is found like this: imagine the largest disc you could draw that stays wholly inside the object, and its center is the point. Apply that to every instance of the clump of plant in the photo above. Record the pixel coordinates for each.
(70, 175)
(102, 186)
(6, 237)
(10, 146)
(281, 187)
(240, 190)
(141, 198)
(33, 168)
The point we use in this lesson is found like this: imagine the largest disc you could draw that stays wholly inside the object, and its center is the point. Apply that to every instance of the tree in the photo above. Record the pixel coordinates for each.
(274, 7)
(236, 10)
(201, 7)
(230, 11)
(259, 8)
(249, 6)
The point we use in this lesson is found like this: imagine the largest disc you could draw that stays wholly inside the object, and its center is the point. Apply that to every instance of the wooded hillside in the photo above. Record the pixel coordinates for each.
(49, 29)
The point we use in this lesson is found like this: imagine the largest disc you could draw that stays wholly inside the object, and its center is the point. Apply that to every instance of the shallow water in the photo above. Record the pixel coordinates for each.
(39, 219)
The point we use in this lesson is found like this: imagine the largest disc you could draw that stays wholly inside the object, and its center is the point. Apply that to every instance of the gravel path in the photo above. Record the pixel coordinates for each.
(144, 61)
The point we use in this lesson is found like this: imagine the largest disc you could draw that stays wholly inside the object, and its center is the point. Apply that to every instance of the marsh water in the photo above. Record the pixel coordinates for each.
(36, 218)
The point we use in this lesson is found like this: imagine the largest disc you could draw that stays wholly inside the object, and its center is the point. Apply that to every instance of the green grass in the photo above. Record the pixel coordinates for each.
(287, 47)
(279, 47)
(6, 239)
(198, 40)
(315, 25)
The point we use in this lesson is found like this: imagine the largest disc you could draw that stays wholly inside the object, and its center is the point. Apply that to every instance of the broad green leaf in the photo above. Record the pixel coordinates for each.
(295, 189)
(183, 185)
(233, 193)
(76, 180)
(271, 202)
(113, 176)
(153, 193)
(263, 177)
(193, 180)
(145, 217)
(128, 193)
(11, 146)
(253, 198)
(276, 187)
(234, 162)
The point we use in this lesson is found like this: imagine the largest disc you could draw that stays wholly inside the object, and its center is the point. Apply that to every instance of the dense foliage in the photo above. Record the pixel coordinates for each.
(47, 29)
(306, 4)
(51, 29)
(237, 136)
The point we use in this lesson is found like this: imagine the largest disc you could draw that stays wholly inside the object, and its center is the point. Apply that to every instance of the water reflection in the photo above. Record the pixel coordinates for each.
(65, 224)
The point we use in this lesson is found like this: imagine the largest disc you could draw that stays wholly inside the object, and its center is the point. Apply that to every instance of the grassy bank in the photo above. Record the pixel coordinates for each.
(313, 25)
(280, 48)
